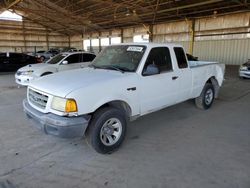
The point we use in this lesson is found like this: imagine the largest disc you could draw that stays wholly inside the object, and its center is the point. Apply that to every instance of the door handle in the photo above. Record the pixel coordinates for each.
(174, 77)
(131, 89)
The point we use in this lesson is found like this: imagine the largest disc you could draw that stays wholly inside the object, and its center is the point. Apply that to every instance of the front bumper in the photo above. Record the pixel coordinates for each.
(23, 79)
(65, 127)
(245, 74)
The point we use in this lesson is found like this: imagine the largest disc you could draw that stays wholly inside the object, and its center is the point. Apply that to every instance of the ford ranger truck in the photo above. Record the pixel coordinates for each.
(123, 82)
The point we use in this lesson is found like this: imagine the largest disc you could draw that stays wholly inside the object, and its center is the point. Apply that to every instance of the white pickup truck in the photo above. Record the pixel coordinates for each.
(124, 82)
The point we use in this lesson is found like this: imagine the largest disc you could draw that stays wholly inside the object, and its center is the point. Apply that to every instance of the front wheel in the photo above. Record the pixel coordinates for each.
(206, 98)
(107, 130)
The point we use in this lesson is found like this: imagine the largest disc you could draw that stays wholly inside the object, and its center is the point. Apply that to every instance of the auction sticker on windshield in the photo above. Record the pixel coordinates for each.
(135, 49)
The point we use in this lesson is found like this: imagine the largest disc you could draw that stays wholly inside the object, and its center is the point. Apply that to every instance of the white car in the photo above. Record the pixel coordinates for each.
(244, 71)
(124, 82)
(61, 62)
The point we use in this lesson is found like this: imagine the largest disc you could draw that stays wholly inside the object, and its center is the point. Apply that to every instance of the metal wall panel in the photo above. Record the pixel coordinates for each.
(26, 36)
(231, 52)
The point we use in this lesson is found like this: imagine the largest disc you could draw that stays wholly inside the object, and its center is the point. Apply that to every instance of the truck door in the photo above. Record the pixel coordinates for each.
(160, 90)
(184, 75)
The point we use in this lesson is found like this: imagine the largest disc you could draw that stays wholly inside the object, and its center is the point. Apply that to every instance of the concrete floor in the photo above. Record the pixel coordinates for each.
(178, 147)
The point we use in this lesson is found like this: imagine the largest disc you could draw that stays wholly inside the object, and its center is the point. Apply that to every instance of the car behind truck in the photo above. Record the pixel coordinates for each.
(124, 82)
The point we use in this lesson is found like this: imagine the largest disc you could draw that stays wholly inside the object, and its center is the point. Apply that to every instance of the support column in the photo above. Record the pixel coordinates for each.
(47, 39)
(121, 35)
(24, 37)
(99, 38)
(69, 41)
(110, 33)
(90, 43)
(82, 41)
(192, 36)
(151, 35)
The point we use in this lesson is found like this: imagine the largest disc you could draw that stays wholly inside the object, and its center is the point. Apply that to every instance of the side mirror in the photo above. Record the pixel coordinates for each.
(151, 70)
(65, 62)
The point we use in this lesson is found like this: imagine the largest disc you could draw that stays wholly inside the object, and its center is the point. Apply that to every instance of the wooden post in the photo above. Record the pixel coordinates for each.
(24, 37)
(151, 35)
(100, 44)
(192, 35)
(69, 41)
(47, 39)
(82, 41)
(90, 43)
(121, 35)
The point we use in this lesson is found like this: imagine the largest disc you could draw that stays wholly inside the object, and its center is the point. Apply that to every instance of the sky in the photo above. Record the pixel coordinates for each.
(7, 15)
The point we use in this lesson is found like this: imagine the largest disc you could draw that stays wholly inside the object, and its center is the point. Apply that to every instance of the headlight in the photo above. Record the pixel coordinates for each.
(243, 68)
(29, 72)
(64, 105)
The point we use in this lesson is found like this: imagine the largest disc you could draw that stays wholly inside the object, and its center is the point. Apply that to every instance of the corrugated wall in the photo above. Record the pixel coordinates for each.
(233, 52)
(213, 40)
(26, 36)
(225, 38)
(76, 41)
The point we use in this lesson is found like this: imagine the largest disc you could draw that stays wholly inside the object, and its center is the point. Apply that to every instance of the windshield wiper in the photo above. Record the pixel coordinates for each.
(92, 66)
(113, 68)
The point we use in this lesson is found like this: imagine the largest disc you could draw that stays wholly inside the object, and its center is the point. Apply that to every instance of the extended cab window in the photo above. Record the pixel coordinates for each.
(181, 57)
(160, 57)
(75, 58)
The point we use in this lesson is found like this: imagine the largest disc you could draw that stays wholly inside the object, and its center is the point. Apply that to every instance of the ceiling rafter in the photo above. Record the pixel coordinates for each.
(80, 16)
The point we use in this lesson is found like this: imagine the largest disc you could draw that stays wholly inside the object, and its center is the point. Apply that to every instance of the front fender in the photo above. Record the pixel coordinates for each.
(38, 73)
(89, 101)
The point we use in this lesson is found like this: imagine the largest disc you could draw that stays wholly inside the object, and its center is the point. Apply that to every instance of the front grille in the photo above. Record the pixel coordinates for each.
(38, 99)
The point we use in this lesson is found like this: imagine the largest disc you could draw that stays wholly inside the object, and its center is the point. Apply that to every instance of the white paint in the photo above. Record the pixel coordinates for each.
(91, 88)
(41, 68)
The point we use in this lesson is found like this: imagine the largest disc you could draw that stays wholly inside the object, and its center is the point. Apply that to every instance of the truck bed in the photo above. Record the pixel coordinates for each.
(193, 64)
(201, 70)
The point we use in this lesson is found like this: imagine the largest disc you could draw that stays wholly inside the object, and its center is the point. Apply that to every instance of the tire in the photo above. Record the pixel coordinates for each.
(101, 133)
(46, 73)
(206, 99)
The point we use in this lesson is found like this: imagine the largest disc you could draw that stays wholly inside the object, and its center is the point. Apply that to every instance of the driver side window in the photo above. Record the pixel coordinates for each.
(160, 56)
(75, 58)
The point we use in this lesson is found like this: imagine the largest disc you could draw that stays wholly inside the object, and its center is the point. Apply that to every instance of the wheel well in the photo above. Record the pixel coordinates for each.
(215, 84)
(46, 73)
(119, 105)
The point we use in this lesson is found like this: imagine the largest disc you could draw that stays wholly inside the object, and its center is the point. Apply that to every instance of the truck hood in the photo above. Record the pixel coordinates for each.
(62, 83)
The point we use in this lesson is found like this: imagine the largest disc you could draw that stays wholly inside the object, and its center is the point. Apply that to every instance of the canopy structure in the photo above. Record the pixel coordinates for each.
(80, 16)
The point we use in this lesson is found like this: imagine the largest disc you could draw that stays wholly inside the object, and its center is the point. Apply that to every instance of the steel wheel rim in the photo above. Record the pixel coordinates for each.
(111, 131)
(209, 96)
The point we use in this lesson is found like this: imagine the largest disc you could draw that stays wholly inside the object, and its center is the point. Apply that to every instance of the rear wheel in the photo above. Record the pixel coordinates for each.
(107, 130)
(205, 100)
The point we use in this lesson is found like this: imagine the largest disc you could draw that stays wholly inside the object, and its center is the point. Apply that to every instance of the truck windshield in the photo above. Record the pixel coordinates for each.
(125, 58)
(56, 59)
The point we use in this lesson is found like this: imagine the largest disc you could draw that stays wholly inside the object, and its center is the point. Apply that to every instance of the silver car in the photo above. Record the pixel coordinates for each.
(244, 71)
(47, 54)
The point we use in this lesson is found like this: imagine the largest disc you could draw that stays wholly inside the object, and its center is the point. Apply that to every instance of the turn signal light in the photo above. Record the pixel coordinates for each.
(70, 106)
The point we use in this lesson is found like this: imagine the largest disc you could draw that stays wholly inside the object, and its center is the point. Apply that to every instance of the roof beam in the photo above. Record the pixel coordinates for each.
(10, 4)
